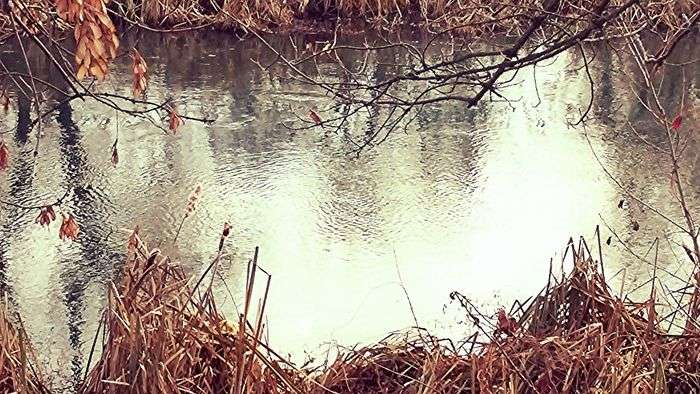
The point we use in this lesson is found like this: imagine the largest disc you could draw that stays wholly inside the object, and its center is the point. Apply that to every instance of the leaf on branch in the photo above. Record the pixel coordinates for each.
(115, 155)
(677, 122)
(4, 156)
(69, 228)
(314, 116)
(46, 216)
(95, 36)
(139, 70)
(175, 119)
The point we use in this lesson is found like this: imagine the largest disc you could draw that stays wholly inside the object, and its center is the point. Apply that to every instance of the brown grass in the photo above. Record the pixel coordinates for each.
(18, 371)
(468, 16)
(576, 336)
(164, 334)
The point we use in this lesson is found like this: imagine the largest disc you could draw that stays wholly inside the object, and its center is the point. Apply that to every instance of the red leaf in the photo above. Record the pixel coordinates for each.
(314, 116)
(4, 155)
(175, 120)
(677, 122)
(506, 324)
(46, 216)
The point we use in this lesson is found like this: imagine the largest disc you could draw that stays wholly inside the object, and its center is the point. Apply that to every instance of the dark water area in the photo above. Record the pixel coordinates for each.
(475, 200)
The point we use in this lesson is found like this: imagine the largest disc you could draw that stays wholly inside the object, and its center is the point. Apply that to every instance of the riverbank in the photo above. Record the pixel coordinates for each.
(163, 333)
(477, 17)
(473, 17)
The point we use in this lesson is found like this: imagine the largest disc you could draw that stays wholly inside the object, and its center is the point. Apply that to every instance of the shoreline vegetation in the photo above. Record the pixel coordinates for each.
(162, 333)
(473, 17)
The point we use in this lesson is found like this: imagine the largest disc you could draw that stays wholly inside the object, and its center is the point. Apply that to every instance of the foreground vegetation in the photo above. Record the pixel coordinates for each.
(164, 334)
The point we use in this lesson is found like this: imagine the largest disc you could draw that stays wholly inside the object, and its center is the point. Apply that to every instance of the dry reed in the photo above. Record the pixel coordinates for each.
(576, 336)
(18, 373)
(472, 16)
(164, 334)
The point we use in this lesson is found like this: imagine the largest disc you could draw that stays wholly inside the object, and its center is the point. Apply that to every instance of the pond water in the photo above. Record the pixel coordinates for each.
(475, 200)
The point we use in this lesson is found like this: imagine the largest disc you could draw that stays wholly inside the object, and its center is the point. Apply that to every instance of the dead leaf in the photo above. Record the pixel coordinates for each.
(46, 216)
(139, 70)
(506, 324)
(314, 116)
(676, 124)
(69, 228)
(4, 156)
(4, 101)
(175, 120)
(115, 154)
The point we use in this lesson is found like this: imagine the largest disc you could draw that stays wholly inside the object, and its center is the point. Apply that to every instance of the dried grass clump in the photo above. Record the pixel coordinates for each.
(466, 16)
(472, 17)
(576, 336)
(18, 372)
(164, 335)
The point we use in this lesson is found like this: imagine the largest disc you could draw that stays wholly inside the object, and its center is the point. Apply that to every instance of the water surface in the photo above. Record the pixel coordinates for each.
(476, 200)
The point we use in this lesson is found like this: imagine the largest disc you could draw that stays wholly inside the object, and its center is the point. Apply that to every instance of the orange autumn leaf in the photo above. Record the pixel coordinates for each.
(69, 228)
(95, 35)
(4, 155)
(46, 216)
(133, 241)
(175, 120)
(139, 70)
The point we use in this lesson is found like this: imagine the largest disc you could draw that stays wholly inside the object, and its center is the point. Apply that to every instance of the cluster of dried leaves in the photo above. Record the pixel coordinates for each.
(33, 14)
(139, 70)
(69, 226)
(95, 35)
